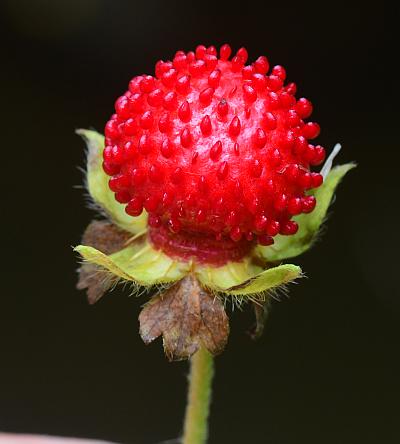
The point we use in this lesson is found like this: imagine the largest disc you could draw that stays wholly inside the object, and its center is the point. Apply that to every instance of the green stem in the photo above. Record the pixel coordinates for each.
(199, 398)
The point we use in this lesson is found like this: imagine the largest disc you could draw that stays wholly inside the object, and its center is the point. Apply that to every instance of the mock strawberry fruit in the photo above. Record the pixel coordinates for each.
(216, 151)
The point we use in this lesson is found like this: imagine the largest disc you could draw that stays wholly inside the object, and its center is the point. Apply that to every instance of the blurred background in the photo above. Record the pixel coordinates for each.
(327, 369)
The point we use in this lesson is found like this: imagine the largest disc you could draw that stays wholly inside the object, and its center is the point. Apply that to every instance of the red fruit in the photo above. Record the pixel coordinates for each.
(213, 148)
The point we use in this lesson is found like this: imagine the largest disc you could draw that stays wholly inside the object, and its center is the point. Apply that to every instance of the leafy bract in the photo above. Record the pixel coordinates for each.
(138, 263)
(97, 185)
(227, 276)
(309, 224)
(245, 278)
(267, 280)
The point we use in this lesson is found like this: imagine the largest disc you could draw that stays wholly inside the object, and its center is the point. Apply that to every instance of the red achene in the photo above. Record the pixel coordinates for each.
(213, 148)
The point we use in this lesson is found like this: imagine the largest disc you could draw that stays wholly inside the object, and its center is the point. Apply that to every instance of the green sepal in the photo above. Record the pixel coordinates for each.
(97, 185)
(270, 279)
(245, 278)
(229, 275)
(137, 263)
(309, 224)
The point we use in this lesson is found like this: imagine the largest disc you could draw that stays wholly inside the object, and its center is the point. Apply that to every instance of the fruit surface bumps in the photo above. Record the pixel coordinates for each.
(213, 145)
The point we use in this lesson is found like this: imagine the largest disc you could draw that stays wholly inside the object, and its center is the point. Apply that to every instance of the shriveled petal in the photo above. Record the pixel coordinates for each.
(188, 317)
(309, 224)
(97, 185)
(261, 311)
(138, 263)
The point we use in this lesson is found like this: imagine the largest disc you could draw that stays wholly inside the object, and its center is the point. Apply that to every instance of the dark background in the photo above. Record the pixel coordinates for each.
(327, 369)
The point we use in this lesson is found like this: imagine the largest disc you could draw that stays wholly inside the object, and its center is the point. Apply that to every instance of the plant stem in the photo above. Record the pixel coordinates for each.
(199, 398)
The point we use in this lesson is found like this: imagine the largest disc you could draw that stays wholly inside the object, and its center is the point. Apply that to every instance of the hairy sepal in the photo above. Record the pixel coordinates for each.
(246, 280)
(268, 280)
(97, 186)
(222, 278)
(138, 264)
(286, 247)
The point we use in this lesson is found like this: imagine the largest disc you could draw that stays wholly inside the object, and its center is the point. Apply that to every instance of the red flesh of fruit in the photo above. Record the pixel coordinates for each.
(216, 151)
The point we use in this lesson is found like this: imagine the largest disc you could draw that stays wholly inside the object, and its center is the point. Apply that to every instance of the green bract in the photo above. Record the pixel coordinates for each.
(267, 280)
(139, 263)
(286, 247)
(221, 279)
(97, 186)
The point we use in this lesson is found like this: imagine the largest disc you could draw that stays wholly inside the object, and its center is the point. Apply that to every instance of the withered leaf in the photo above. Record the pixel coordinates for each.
(95, 281)
(107, 238)
(187, 316)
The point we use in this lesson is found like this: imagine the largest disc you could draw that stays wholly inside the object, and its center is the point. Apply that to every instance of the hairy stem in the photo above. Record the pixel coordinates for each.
(199, 398)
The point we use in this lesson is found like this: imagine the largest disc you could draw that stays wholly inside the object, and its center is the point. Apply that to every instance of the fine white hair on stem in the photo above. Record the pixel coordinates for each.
(329, 161)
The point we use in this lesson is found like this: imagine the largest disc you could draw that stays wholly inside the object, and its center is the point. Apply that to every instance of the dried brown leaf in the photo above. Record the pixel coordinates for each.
(95, 281)
(107, 238)
(187, 316)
